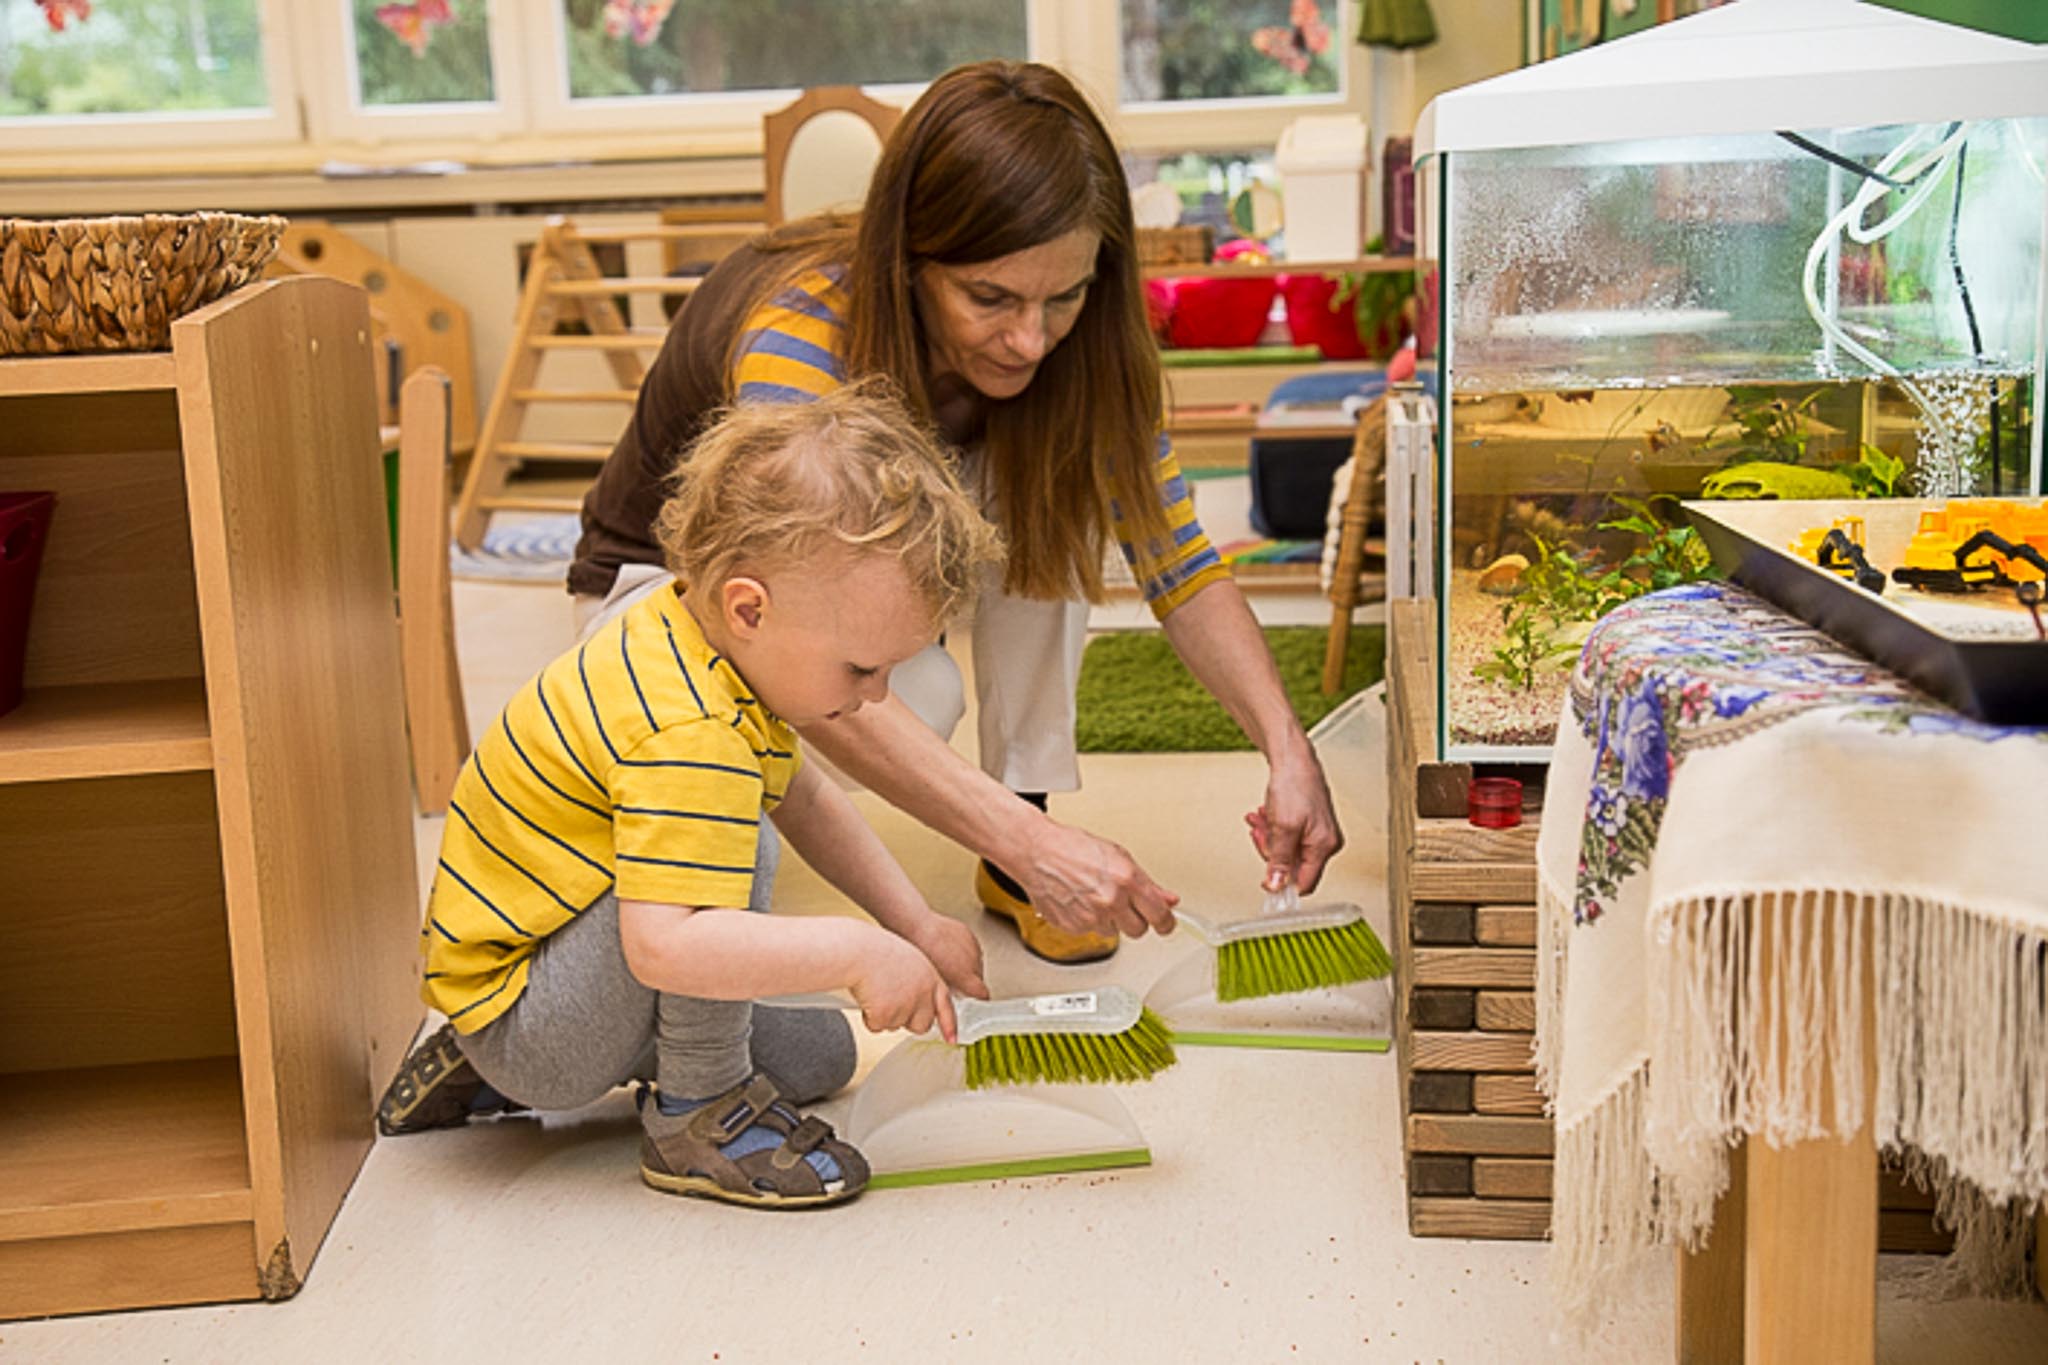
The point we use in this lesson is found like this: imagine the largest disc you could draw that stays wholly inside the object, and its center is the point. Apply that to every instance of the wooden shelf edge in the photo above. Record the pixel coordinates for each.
(112, 373)
(106, 730)
(140, 1147)
(139, 1214)
(1369, 265)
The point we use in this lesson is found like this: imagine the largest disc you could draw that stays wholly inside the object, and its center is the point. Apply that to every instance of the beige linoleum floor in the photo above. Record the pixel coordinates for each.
(1269, 1227)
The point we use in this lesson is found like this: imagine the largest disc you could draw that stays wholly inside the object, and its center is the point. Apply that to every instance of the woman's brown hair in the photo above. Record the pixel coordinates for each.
(995, 158)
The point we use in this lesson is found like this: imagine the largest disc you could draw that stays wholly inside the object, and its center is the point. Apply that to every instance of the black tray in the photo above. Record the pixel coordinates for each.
(2003, 681)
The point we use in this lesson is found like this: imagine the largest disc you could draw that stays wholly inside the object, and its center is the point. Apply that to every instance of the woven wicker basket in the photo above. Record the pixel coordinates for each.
(117, 284)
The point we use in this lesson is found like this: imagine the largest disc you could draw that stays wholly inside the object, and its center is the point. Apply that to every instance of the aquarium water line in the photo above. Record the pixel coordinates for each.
(1920, 180)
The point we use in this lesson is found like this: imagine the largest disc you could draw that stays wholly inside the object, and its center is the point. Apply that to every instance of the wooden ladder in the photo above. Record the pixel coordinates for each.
(564, 283)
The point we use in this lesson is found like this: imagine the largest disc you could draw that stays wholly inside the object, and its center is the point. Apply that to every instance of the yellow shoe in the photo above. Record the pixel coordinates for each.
(1045, 940)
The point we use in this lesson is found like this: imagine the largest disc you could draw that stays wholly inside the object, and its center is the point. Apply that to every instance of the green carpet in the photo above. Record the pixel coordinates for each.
(1137, 698)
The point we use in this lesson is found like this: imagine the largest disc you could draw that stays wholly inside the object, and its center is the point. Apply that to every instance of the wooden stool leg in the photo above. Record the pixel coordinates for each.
(1368, 458)
(1710, 1280)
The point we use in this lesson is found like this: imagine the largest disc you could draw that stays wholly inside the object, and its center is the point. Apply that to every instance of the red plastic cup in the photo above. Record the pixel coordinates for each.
(1494, 802)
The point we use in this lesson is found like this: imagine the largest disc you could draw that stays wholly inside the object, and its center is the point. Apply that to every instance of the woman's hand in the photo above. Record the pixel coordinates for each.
(1296, 831)
(1088, 885)
(954, 950)
(896, 986)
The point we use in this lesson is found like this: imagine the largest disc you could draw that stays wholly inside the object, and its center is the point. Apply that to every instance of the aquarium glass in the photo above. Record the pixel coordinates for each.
(1831, 313)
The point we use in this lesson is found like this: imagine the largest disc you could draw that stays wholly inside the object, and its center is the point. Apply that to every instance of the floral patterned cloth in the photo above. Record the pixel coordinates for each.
(1725, 774)
(1701, 666)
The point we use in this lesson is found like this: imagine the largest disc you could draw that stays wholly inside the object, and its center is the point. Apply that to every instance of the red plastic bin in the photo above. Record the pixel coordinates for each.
(24, 527)
(1311, 321)
(1201, 313)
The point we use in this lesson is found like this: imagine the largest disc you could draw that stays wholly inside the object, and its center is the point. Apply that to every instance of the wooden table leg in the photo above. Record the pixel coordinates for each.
(1811, 1286)
(2041, 1251)
(1710, 1280)
(1810, 1283)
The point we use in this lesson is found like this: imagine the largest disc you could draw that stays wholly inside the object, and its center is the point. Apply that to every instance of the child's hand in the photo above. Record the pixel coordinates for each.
(954, 950)
(896, 986)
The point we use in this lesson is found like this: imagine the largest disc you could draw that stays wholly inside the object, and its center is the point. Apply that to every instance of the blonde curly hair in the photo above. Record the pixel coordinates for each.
(770, 485)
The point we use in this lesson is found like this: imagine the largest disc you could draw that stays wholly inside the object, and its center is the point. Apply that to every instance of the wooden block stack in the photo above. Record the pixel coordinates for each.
(1464, 903)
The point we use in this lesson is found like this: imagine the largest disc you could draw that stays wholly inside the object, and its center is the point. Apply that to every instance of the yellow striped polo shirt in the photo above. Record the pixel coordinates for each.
(639, 762)
(789, 352)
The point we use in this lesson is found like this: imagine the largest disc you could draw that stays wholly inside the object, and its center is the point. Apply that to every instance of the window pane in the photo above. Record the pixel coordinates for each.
(130, 57)
(1207, 182)
(669, 47)
(423, 52)
(1229, 49)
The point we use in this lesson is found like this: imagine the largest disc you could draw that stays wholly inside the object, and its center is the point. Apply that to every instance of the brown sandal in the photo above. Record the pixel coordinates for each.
(680, 1153)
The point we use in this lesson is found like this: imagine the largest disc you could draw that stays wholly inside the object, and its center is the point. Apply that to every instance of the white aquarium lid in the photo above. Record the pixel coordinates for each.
(1756, 66)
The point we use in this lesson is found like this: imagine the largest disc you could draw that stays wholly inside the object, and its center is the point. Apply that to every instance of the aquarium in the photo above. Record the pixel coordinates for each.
(1804, 313)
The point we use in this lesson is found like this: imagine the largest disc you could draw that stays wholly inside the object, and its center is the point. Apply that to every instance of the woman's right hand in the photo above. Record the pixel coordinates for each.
(896, 986)
(1084, 884)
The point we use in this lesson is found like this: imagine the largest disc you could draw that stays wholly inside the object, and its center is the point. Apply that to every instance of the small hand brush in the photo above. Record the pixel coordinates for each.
(1291, 948)
(1100, 1035)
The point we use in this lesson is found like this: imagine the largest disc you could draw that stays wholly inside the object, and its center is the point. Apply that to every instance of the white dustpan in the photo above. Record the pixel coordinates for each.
(1357, 1017)
(917, 1123)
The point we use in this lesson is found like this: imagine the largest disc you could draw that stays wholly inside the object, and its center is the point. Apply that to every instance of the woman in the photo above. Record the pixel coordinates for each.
(993, 276)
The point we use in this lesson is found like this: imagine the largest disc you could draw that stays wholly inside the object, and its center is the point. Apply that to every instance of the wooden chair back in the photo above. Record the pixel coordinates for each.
(819, 151)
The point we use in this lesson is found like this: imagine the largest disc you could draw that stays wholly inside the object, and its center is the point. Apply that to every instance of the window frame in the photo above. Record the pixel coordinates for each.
(1091, 50)
(313, 97)
(335, 115)
(281, 122)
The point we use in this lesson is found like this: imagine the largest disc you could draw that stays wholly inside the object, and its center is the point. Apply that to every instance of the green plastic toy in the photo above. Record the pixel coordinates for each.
(1771, 480)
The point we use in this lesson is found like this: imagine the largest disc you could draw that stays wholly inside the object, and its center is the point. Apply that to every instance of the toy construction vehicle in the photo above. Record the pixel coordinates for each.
(1973, 543)
(1839, 550)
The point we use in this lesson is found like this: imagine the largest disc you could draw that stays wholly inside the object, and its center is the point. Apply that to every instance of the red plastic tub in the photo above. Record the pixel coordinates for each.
(1207, 313)
(1312, 322)
(24, 526)
(1494, 802)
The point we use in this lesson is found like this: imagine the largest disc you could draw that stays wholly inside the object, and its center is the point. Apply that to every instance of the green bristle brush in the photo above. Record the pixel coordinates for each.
(1291, 948)
(1101, 1035)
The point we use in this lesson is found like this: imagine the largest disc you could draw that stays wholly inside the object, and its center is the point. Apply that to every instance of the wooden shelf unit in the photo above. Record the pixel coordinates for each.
(205, 817)
(1227, 270)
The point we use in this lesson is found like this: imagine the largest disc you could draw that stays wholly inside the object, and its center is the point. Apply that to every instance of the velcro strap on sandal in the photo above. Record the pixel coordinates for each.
(802, 1141)
(726, 1117)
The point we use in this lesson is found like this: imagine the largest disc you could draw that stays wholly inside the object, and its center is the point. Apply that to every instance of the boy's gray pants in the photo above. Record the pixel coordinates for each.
(584, 1024)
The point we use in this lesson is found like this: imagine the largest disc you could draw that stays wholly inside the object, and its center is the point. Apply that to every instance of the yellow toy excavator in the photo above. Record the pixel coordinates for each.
(1974, 543)
(1839, 550)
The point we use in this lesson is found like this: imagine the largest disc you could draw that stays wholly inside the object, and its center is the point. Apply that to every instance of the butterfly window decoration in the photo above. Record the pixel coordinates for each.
(60, 12)
(414, 22)
(1298, 42)
(640, 20)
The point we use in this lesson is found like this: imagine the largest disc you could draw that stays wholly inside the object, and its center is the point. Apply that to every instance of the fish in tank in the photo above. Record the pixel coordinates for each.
(1567, 504)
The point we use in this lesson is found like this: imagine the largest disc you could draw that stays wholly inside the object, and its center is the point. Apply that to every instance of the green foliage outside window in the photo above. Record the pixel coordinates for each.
(715, 45)
(452, 66)
(1229, 49)
(132, 57)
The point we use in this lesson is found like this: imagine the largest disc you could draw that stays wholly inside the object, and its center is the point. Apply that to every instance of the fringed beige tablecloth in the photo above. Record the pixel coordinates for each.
(1730, 784)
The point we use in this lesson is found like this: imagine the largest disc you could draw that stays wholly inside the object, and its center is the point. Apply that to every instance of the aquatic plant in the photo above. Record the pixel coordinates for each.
(1563, 590)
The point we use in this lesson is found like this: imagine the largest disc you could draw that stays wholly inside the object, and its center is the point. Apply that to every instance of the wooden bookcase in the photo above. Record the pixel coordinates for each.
(205, 818)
